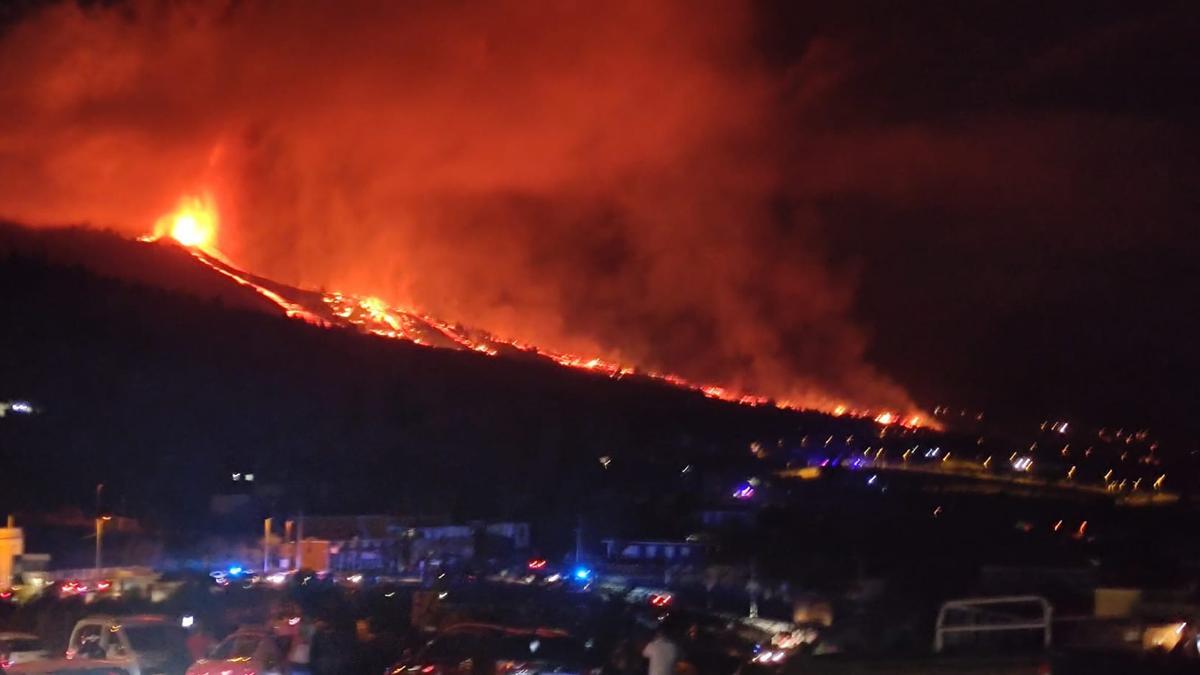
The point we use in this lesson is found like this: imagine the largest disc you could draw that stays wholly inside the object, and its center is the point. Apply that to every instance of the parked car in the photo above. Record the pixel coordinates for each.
(145, 644)
(486, 649)
(76, 666)
(245, 652)
(20, 648)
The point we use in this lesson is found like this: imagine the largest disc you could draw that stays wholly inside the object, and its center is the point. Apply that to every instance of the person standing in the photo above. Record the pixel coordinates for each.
(200, 642)
(300, 652)
(662, 654)
(623, 658)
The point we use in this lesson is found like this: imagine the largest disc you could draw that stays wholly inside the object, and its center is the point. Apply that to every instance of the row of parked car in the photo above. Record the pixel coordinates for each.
(489, 649)
(153, 645)
(142, 645)
(102, 645)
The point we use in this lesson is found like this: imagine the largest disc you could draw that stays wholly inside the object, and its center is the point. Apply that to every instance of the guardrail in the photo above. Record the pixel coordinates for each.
(977, 605)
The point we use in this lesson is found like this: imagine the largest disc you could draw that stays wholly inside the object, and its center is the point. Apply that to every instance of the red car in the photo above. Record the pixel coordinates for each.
(247, 651)
(486, 649)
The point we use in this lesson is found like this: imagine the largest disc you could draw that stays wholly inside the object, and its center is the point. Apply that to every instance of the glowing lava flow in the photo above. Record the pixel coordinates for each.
(374, 316)
(291, 309)
(194, 225)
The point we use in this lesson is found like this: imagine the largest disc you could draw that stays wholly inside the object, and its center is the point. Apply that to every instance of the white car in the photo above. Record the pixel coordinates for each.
(142, 645)
(20, 648)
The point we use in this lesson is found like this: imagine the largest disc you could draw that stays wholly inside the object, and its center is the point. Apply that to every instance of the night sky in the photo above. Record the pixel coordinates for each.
(1015, 185)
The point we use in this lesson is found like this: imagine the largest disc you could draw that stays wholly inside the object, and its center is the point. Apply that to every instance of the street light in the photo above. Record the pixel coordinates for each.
(100, 520)
(266, 545)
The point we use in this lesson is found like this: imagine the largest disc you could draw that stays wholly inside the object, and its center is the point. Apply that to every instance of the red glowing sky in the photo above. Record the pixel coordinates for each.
(752, 194)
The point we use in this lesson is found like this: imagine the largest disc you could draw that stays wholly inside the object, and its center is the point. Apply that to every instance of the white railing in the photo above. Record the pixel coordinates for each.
(977, 605)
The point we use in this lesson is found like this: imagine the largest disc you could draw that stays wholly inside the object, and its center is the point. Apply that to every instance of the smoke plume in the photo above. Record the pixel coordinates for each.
(600, 178)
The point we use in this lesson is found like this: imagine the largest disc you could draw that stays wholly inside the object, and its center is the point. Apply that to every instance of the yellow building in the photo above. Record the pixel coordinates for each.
(12, 544)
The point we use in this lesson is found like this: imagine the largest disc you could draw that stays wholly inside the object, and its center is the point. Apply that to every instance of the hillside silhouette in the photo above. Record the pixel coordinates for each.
(160, 379)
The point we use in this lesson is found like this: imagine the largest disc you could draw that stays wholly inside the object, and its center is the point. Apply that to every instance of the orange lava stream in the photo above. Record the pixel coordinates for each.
(374, 316)
(194, 226)
(291, 309)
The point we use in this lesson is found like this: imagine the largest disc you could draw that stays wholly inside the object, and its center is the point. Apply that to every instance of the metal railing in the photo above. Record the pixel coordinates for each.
(978, 606)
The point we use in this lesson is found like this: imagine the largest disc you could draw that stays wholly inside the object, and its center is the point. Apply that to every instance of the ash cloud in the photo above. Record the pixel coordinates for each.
(601, 178)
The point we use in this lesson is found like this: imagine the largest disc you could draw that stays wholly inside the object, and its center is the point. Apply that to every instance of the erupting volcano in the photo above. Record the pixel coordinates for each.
(607, 188)
(194, 225)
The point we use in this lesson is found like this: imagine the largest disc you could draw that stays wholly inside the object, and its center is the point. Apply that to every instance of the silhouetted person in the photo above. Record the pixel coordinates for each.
(200, 642)
(662, 654)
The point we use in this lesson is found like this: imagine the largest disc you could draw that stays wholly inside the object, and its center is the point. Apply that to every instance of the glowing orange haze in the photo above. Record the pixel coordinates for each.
(595, 179)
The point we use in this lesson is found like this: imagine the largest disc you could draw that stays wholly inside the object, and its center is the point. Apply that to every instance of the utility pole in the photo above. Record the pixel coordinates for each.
(299, 537)
(266, 545)
(753, 588)
(100, 520)
(579, 540)
(287, 539)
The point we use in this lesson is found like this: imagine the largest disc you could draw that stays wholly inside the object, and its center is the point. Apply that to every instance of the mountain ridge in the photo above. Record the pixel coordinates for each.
(161, 393)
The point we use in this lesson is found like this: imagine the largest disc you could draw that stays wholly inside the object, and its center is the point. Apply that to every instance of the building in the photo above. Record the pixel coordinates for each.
(389, 544)
(12, 547)
(657, 552)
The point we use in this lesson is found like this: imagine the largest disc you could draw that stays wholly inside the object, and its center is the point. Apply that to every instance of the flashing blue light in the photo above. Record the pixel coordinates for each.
(235, 570)
(583, 573)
